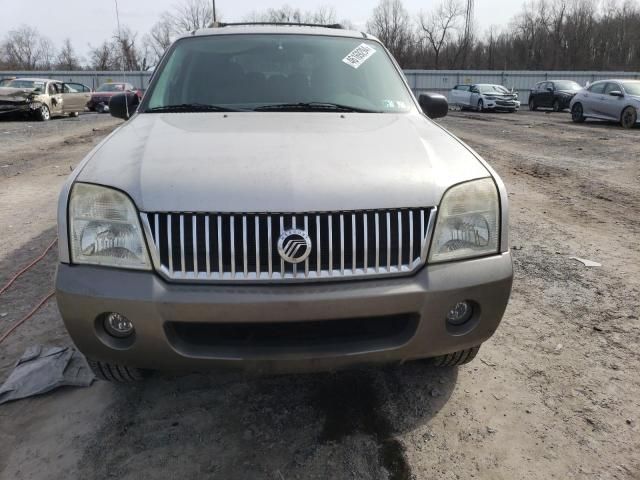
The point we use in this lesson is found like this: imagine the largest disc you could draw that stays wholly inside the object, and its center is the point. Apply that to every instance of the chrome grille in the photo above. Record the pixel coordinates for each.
(227, 247)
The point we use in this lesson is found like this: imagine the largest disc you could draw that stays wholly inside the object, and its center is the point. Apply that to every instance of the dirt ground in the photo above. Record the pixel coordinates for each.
(555, 394)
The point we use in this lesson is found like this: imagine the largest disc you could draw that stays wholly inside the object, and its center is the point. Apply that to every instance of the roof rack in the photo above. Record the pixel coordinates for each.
(336, 26)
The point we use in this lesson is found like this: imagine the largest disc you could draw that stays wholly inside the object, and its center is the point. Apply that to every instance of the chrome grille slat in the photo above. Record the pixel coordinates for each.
(220, 265)
(182, 265)
(232, 226)
(194, 227)
(354, 255)
(377, 242)
(207, 245)
(257, 236)
(231, 247)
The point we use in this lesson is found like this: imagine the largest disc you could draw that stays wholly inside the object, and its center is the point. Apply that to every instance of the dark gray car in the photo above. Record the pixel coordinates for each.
(280, 202)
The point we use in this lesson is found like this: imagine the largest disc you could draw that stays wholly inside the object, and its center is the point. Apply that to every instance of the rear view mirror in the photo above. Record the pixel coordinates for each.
(434, 105)
(123, 105)
(616, 93)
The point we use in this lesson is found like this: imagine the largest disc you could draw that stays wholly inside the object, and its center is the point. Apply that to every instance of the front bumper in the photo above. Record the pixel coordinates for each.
(157, 308)
(503, 105)
(19, 107)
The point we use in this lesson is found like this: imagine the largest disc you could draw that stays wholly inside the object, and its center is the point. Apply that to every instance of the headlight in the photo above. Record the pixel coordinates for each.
(468, 222)
(105, 229)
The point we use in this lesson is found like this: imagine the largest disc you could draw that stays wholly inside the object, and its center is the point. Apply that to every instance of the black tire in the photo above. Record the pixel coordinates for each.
(556, 106)
(629, 117)
(577, 113)
(455, 359)
(480, 105)
(44, 114)
(116, 373)
(532, 105)
(74, 114)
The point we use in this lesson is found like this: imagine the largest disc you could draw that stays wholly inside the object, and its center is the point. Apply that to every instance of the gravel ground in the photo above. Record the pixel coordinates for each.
(554, 394)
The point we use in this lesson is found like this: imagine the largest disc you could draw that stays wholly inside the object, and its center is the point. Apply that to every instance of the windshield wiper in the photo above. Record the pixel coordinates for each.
(190, 107)
(312, 106)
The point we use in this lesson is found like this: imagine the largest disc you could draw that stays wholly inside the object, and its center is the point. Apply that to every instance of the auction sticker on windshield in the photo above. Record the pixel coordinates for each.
(359, 55)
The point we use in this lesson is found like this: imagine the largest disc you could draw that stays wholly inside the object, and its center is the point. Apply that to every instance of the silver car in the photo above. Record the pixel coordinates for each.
(616, 100)
(279, 202)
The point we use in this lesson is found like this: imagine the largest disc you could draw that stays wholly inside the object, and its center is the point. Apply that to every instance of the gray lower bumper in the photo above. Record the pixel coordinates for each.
(85, 292)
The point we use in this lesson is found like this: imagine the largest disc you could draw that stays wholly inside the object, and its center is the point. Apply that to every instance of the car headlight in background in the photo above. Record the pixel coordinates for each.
(468, 222)
(105, 229)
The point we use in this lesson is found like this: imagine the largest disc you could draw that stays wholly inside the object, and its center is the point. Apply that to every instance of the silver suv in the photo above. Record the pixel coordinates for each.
(279, 201)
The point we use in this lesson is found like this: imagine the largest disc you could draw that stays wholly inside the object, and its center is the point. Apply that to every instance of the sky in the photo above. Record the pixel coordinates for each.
(89, 22)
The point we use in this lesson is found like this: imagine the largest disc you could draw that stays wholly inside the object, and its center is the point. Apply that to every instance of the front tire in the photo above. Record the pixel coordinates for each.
(455, 359)
(577, 113)
(110, 372)
(44, 114)
(480, 107)
(629, 117)
(532, 105)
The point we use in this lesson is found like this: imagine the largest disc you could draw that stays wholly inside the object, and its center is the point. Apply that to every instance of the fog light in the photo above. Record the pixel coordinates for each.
(460, 313)
(118, 325)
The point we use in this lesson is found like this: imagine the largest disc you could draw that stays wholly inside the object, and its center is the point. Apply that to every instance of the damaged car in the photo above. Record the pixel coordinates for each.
(42, 98)
(484, 97)
(99, 101)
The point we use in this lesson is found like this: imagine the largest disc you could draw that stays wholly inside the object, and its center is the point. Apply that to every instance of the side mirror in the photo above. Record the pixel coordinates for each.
(434, 105)
(616, 93)
(123, 105)
(550, 89)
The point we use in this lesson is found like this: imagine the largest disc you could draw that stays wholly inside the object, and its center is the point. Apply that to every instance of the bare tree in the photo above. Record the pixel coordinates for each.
(324, 15)
(390, 22)
(67, 58)
(158, 40)
(190, 15)
(103, 57)
(437, 27)
(26, 49)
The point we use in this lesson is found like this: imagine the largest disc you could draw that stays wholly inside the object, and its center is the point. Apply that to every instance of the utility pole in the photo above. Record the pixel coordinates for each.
(214, 11)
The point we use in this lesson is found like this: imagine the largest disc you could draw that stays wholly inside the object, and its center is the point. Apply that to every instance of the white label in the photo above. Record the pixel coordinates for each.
(361, 54)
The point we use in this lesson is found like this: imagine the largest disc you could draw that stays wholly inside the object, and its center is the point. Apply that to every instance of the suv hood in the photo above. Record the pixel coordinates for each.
(280, 162)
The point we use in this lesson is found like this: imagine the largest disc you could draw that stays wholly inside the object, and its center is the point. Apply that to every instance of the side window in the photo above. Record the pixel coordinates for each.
(611, 87)
(465, 88)
(597, 88)
(53, 89)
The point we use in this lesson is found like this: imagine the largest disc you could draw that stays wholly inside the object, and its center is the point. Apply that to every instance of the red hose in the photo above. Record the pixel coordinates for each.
(29, 315)
(15, 277)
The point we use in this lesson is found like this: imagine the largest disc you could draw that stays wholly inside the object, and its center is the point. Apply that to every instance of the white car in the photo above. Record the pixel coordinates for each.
(617, 100)
(483, 97)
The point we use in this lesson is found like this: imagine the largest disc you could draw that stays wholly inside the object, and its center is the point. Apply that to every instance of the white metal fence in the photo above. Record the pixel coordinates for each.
(441, 81)
(421, 81)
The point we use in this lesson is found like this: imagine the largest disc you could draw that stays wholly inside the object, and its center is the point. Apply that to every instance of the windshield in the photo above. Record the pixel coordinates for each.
(632, 88)
(247, 72)
(26, 84)
(567, 85)
(492, 89)
(111, 87)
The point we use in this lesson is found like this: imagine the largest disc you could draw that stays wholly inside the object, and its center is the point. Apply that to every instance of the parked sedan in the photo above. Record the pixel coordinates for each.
(616, 100)
(483, 97)
(43, 98)
(556, 94)
(100, 98)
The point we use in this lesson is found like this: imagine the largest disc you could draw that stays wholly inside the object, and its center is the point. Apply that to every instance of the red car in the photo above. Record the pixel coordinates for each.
(100, 98)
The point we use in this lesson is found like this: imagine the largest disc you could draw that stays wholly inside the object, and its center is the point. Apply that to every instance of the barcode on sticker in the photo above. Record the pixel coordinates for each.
(361, 54)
